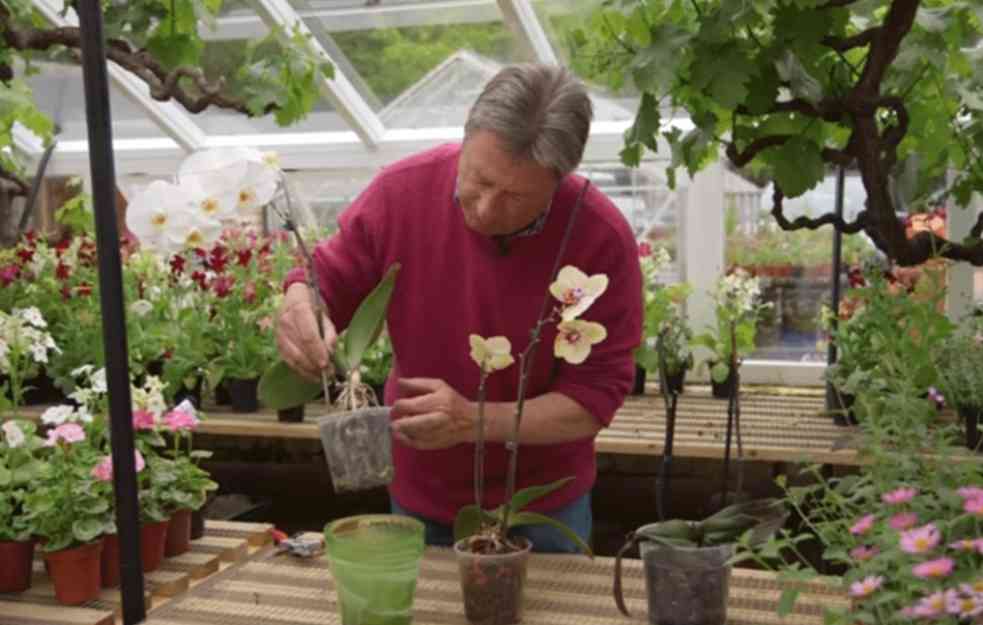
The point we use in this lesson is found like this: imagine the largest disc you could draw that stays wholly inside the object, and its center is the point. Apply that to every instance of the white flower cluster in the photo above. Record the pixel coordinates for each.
(24, 331)
(214, 188)
(64, 413)
(150, 396)
(653, 265)
(94, 388)
(738, 291)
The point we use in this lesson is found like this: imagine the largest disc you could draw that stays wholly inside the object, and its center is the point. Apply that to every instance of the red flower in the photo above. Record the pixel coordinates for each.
(25, 254)
(855, 277)
(644, 249)
(62, 272)
(249, 292)
(222, 285)
(177, 264)
(243, 257)
(31, 236)
(200, 253)
(217, 259)
(84, 290)
(8, 274)
(199, 279)
(62, 245)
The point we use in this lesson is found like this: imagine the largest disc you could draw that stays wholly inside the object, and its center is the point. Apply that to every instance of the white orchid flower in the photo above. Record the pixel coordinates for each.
(159, 213)
(491, 354)
(231, 180)
(14, 435)
(577, 291)
(574, 339)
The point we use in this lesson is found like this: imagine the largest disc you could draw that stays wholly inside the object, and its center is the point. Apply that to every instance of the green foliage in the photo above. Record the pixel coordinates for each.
(471, 520)
(76, 214)
(728, 64)
(959, 361)
(281, 387)
(759, 519)
(19, 469)
(366, 323)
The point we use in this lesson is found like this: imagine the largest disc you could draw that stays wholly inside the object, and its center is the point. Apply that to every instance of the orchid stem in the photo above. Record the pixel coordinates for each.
(479, 444)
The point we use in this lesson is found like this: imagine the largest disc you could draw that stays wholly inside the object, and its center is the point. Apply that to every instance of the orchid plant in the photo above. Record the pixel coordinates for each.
(487, 531)
(737, 299)
(25, 345)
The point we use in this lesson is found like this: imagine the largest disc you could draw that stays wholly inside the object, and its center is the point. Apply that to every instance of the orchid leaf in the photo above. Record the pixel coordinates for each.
(526, 496)
(534, 518)
(281, 387)
(469, 520)
(366, 323)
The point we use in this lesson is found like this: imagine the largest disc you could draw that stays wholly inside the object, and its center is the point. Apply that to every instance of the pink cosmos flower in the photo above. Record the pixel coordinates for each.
(863, 553)
(940, 567)
(899, 495)
(974, 506)
(931, 606)
(966, 544)
(144, 420)
(104, 470)
(181, 419)
(866, 586)
(970, 492)
(863, 525)
(920, 540)
(68, 432)
(903, 521)
(964, 606)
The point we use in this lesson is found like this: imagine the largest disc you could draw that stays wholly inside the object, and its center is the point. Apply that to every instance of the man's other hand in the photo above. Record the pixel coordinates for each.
(435, 416)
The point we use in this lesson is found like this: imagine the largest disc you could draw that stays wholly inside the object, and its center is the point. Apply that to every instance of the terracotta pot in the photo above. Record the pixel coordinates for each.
(76, 573)
(178, 539)
(153, 539)
(109, 562)
(15, 565)
(492, 585)
(243, 394)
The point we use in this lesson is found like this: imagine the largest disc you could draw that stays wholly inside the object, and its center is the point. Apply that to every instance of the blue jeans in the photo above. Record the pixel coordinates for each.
(545, 539)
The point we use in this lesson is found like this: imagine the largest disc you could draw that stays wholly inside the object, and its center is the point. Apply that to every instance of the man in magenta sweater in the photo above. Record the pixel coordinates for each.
(476, 228)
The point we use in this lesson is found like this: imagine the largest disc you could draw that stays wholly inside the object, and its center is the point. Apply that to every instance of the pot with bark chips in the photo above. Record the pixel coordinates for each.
(358, 448)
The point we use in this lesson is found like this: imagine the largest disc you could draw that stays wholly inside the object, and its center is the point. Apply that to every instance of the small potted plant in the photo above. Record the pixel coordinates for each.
(662, 317)
(188, 492)
(28, 345)
(959, 360)
(688, 563)
(674, 343)
(492, 563)
(68, 511)
(19, 470)
(737, 299)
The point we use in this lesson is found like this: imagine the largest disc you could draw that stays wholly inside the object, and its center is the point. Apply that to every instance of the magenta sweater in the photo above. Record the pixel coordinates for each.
(455, 282)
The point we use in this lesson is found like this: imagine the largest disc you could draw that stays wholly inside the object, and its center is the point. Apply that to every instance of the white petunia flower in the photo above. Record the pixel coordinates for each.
(577, 291)
(141, 308)
(15, 437)
(56, 415)
(33, 316)
(491, 354)
(98, 381)
(575, 338)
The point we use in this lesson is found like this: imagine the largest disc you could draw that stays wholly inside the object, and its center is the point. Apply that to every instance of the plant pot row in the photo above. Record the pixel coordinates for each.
(674, 382)
(79, 573)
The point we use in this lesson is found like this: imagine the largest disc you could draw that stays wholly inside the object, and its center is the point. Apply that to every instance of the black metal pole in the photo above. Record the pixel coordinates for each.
(99, 124)
(831, 401)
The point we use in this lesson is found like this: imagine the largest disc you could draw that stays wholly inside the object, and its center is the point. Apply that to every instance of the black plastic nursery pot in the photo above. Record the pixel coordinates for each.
(972, 417)
(674, 382)
(722, 390)
(192, 394)
(639, 387)
(243, 394)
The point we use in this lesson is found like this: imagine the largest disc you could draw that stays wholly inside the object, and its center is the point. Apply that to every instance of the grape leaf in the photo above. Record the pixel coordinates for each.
(798, 166)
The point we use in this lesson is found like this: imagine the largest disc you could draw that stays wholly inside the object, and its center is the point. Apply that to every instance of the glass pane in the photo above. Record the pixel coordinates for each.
(795, 267)
(59, 94)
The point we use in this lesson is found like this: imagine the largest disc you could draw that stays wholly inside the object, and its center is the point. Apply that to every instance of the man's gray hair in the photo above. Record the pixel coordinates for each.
(540, 111)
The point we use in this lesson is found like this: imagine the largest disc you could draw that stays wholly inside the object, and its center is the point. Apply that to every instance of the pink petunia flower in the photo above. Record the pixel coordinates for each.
(68, 432)
(866, 586)
(144, 420)
(974, 506)
(920, 540)
(903, 521)
(940, 567)
(970, 492)
(863, 525)
(899, 496)
(104, 470)
(863, 553)
(182, 418)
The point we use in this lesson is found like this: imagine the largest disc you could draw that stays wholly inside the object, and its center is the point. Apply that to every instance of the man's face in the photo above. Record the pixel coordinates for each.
(499, 194)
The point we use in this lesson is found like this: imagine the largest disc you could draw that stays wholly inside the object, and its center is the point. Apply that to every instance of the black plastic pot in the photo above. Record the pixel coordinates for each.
(41, 390)
(721, 390)
(242, 394)
(222, 394)
(639, 388)
(192, 394)
(842, 408)
(674, 382)
(291, 415)
(972, 416)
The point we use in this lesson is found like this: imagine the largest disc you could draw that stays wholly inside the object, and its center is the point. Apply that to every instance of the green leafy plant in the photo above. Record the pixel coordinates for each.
(789, 89)
(192, 484)
(959, 362)
(281, 388)
(662, 316)
(20, 468)
(737, 309)
(760, 518)
(488, 531)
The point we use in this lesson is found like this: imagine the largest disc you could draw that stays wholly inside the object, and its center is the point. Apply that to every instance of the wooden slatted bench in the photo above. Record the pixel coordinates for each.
(224, 543)
(560, 590)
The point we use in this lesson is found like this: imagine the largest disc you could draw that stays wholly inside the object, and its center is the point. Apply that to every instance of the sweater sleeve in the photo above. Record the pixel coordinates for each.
(348, 263)
(601, 383)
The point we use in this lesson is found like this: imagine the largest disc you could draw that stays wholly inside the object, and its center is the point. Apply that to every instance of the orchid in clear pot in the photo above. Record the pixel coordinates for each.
(492, 562)
(20, 466)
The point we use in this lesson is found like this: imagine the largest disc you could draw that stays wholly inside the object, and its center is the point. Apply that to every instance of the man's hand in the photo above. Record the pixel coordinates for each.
(297, 337)
(437, 416)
